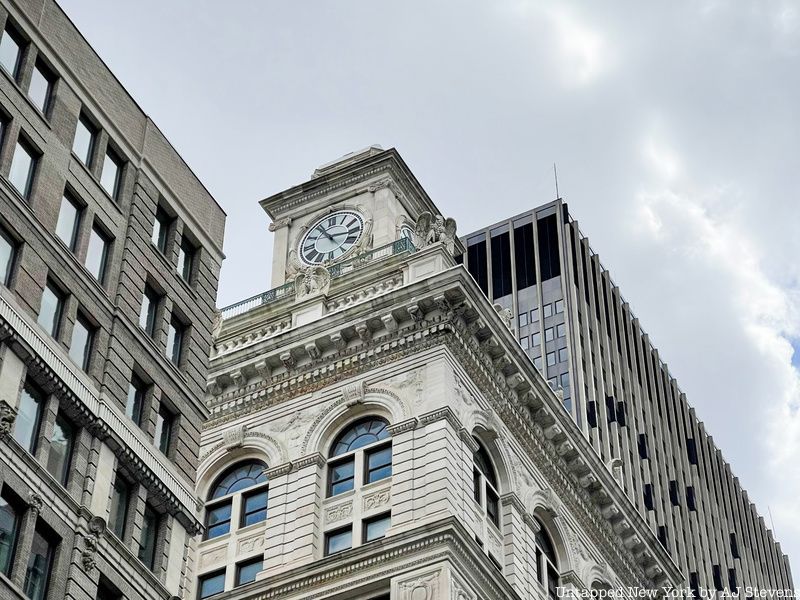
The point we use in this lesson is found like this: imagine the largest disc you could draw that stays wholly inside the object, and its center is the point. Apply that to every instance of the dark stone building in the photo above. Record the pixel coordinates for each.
(110, 251)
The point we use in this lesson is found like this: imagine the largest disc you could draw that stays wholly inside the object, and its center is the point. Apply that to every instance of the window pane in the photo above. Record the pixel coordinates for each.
(246, 572)
(561, 330)
(254, 508)
(6, 257)
(548, 334)
(84, 140)
(551, 359)
(536, 339)
(239, 477)
(96, 254)
(68, 219)
(185, 261)
(338, 541)
(147, 316)
(22, 164)
(341, 477)
(163, 435)
(133, 405)
(29, 412)
(211, 585)
(359, 434)
(175, 341)
(39, 90)
(379, 464)
(61, 449)
(50, 311)
(10, 50)
(218, 520)
(38, 570)
(119, 507)
(376, 528)
(109, 178)
(547, 310)
(9, 526)
(147, 543)
(562, 355)
(160, 230)
(80, 349)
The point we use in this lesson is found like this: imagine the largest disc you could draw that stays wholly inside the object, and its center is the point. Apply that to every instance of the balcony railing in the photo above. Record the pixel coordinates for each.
(286, 290)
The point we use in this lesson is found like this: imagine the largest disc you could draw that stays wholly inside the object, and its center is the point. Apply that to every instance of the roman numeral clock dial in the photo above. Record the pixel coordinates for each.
(331, 237)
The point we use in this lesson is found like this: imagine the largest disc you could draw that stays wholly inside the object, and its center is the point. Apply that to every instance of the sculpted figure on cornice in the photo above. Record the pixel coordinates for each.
(431, 230)
(311, 281)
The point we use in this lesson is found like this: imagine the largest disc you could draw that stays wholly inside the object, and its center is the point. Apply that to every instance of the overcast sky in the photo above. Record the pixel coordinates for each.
(674, 125)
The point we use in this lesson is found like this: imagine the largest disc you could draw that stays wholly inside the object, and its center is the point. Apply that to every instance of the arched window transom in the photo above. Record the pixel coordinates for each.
(485, 483)
(361, 452)
(240, 495)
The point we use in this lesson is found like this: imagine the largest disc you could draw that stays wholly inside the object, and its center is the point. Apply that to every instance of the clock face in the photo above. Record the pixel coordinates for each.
(331, 236)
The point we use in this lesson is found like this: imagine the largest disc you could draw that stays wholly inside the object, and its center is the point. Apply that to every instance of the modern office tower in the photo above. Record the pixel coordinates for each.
(580, 333)
(110, 250)
(377, 432)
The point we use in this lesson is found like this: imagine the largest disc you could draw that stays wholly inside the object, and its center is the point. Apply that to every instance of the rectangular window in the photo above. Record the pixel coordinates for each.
(175, 340)
(186, 254)
(161, 230)
(111, 173)
(29, 417)
(734, 546)
(8, 250)
(549, 334)
(691, 503)
(549, 262)
(80, 348)
(716, 574)
(375, 528)
(147, 543)
(23, 166)
(341, 477)
(211, 584)
(135, 400)
(648, 496)
(551, 359)
(501, 265)
(147, 316)
(477, 264)
(621, 414)
(41, 87)
(218, 519)
(643, 451)
(732, 584)
(523, 319)
(120, 502)
(10, 519)
(691, 451)
(611, 409)
(107, 591)
(40, 560)
(547, 310)
(562, 355)
(561, 330)
(52, 307)
(97, 253)
(83, 144)
(673, 493)
(534, 315)
(536, 339)
(338, 540)
(662, 536)
(11, 51)
(246, 571)
(525, 343)
(69, 218)
(558, 305)
(61, 445)
(525, 262)
(378, 464)
(537, 362)
(163, 435)
(254, 507)
(591, 413)
(492, 506)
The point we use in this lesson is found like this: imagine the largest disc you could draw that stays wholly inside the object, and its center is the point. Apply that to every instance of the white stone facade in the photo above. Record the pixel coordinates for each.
(404, 337)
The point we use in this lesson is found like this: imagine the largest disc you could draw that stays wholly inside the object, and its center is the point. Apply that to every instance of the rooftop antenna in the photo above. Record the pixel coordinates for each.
(555, 176)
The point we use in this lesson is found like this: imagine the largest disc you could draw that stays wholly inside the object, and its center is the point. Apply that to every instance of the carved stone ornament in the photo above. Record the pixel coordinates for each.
(311, 281)
(35, 502)
(425, 587)
(353, 393)
(234, 436)
(97, 527)
(505, 314)
(377, 499)
(7, 416)
(216, 325)
(431, 230)
(339, 512)
(279, 224)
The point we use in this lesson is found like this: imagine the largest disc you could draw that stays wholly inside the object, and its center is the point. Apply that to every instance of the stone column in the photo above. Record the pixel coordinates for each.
(402, 490)
(516, 559)
(278, 520)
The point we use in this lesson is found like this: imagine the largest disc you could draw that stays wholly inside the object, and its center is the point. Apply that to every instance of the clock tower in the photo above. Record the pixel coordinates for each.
(377, 432)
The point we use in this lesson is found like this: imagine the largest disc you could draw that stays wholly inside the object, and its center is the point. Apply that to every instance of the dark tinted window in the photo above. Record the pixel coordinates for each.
(120, 500)
(8, 249)
(524, 258)
(501, 265)
(29, 416)
(476, 265)
(549, 262)
(10, 519)
(40, 560)
(61, 444)
(149, 538)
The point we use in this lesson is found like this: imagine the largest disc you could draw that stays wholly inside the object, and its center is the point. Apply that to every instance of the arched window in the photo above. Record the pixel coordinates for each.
(546, 562)
(239, 495)
(484, 483)
(359, 453)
